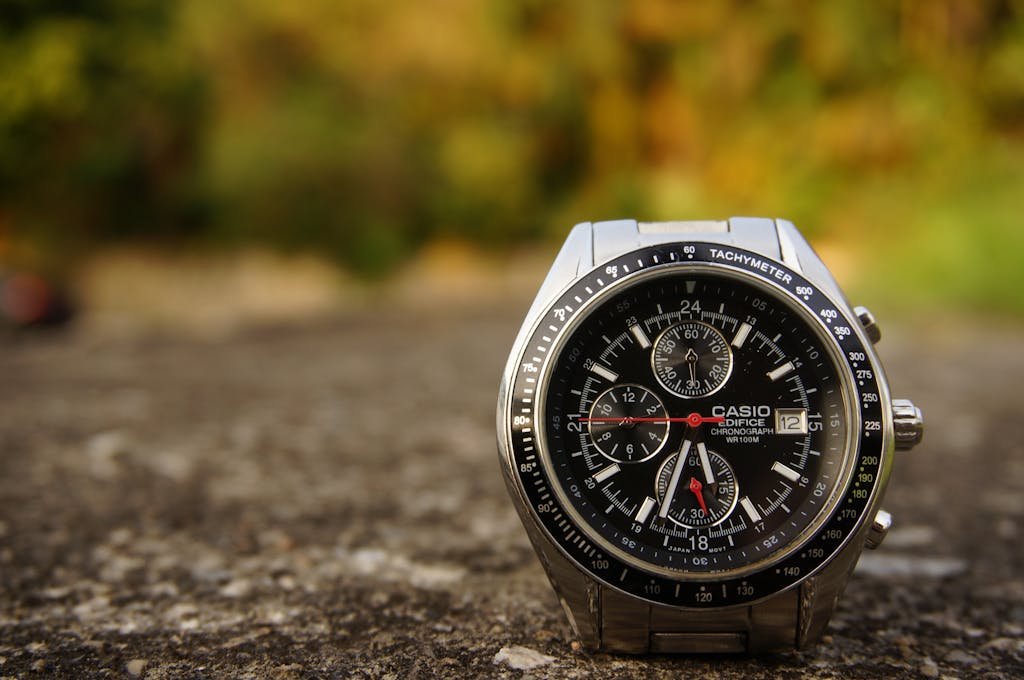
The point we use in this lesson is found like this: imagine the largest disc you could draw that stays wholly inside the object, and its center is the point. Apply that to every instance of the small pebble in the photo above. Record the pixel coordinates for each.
(1005, 644)
(236, 588)
(135, 667)
(522, 658)
(1006, 529)
(961, 657)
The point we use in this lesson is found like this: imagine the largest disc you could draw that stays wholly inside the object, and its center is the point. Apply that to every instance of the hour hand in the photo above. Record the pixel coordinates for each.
(677, 472)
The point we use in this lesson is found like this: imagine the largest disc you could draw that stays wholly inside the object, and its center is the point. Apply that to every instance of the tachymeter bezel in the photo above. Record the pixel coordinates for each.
(870, 430)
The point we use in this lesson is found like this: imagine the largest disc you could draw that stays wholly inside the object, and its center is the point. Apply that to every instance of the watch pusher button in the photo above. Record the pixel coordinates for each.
(879, 528)
(867, 319)
(908, 424)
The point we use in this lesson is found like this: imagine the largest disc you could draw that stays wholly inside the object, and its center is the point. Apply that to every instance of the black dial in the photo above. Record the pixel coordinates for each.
(628, 423)
(691, 359)
(730, 372)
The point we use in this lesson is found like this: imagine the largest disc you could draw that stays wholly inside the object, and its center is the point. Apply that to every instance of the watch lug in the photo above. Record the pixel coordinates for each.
(575, 258)
(784, 230)
(798, 254)
(625, 624)
(820, 593)
(578, 594)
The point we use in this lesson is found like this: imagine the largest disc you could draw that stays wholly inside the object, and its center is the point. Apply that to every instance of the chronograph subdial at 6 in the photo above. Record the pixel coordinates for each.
(628, 423)
(705, 490)
(691, 359)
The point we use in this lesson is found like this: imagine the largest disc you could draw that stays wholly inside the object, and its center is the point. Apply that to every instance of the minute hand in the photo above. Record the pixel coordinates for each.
(702, 452)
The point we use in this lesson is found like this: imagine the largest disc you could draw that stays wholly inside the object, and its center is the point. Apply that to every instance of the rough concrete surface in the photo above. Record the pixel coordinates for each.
(325, 501)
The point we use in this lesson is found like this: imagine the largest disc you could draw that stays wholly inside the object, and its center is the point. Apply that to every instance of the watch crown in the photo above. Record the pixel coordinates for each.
(879, 528)
(908, 424)
(867, 320)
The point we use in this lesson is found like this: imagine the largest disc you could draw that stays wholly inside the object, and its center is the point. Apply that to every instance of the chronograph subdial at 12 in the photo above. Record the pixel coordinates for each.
(691, 359)
(704, 491)
(628, 423)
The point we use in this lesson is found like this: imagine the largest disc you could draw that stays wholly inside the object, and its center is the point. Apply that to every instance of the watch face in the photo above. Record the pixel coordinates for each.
(719, 490)
(700, 437)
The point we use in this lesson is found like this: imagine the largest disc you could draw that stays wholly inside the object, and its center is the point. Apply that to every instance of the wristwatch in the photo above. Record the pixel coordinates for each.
(697, 433)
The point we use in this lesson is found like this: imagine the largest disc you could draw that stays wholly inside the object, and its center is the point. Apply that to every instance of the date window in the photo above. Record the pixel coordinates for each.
(790, 421)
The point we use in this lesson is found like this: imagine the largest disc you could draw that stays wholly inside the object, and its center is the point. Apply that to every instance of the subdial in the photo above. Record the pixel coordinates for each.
(691, 359)
(705, 491)
(628, 423)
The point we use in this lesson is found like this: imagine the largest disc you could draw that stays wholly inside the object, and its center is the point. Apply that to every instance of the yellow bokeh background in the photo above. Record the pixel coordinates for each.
(363, 132)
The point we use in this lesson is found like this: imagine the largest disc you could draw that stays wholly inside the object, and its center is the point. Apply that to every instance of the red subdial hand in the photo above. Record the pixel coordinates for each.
(698, 490)
(693, 420)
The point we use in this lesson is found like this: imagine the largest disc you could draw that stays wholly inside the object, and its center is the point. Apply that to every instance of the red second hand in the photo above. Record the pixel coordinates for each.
(693, 420)
(697, 488)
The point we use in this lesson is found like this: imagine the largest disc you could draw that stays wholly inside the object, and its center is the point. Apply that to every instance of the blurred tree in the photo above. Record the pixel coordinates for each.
(101, 121)
(363, 129)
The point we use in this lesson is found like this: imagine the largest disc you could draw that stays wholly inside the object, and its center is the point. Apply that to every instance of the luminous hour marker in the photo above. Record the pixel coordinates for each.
(604, 372)
(786, 471)
(640, 336)
(690, 285)
(645, 510)
(780, 371)
(606, 473)
(741, 335)
(751, 511)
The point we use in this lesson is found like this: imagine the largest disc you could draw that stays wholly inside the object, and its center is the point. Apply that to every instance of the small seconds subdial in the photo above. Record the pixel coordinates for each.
(628, 423)
(691, 359)
(704, 492)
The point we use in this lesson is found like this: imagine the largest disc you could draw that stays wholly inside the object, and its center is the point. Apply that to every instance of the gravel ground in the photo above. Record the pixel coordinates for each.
(325, 501)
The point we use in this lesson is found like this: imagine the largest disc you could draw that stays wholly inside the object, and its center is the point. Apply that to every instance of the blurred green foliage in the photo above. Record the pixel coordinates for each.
(364, 128)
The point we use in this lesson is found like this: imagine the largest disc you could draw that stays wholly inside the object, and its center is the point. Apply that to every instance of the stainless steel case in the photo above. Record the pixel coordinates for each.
(606, 617)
